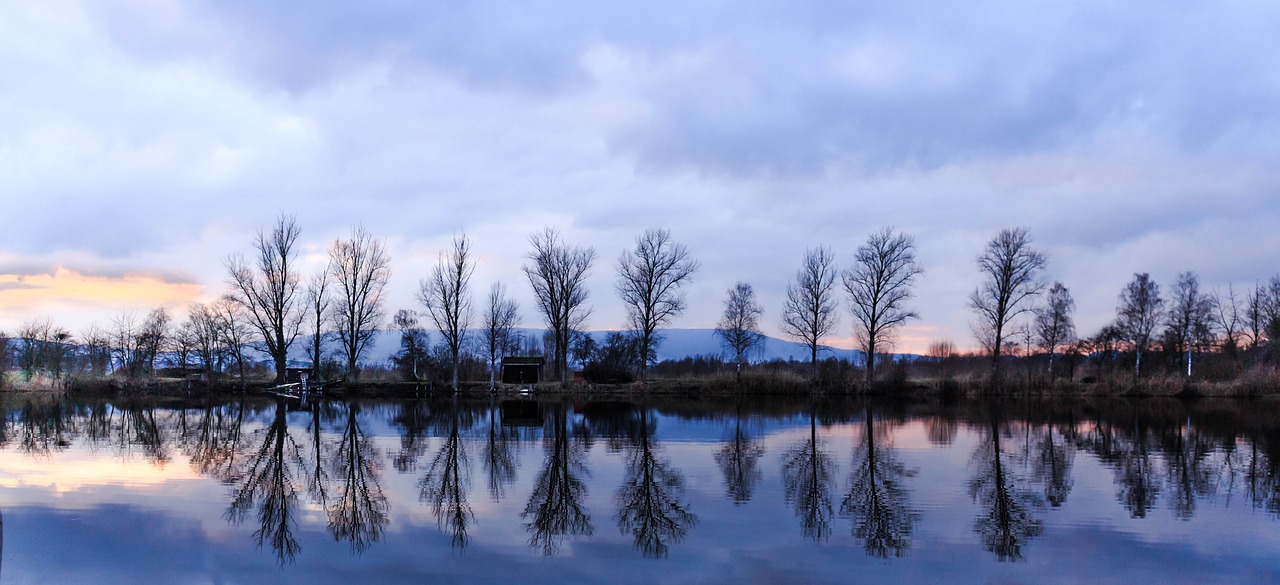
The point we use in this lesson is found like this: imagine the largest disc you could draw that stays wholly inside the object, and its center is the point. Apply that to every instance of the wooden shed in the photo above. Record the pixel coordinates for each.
(522, 370)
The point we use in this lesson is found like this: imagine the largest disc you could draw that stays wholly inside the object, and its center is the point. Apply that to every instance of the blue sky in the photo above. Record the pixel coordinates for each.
(143, 142)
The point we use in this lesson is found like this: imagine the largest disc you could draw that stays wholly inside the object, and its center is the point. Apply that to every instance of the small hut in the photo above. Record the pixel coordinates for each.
(522, 370)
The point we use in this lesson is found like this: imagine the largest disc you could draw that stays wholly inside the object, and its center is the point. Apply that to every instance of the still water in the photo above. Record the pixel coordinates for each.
(660, 491)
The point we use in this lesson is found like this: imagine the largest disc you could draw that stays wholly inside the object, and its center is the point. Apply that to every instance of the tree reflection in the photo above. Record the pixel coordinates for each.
(265, 481)
(806, 477)
(414, 420)
(1008, 519)
(500, 461)
(317, 454)
(738, 460)
(1051, 466)
(359, 513)
(877, 500)
(649, 505)
(1262, 479)
(1137, 485)
(215, 440)
(42, 428)
(446, 483)
(555, 509)
(1190, 474)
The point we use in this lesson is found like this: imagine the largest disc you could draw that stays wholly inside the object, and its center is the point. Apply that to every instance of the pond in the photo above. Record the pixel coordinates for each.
(752, 490)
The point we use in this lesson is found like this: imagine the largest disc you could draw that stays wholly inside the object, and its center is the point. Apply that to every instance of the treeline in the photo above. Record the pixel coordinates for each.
(271, 306)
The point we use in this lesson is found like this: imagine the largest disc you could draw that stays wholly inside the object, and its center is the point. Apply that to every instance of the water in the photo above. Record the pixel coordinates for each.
(753, 491)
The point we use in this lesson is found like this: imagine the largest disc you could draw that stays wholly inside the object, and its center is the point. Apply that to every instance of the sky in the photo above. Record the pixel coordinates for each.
(142, 142)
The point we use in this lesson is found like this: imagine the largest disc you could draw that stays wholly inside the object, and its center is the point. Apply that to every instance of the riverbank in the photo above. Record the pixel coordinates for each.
(1256, 385)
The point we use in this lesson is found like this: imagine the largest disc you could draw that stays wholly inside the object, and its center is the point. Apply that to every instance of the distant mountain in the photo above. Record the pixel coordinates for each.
(676, 344)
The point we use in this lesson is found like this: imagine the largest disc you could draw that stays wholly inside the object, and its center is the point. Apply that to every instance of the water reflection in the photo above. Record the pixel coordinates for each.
(1008, 519)
(448, 479)
(807, 472)
(650, 506)
(264, 482)
(739, 459)
(878, 500)
(359, 513)
(556, 508)
(333, 477)
(501, 455)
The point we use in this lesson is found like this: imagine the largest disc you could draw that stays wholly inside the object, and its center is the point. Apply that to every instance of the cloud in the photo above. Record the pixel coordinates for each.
(157, 137)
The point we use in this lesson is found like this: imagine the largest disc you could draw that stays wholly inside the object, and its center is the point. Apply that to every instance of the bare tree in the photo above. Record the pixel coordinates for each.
(97, 347)
(447, 297)
(558, 275)
(1190, 316)
(236, 330)
(1271, 315)
(415, 345)
(268, 291)
(879, 286)
(809, 312)
(154, 334)
(208, 339)
(649, 282)
(125, 328)
(1229, 316)
(1255, 320)
(1140, 310)
(501, 314)
(1054, 325)
(1012, 272)
(360, 268)
(318, 301)
(739, 327)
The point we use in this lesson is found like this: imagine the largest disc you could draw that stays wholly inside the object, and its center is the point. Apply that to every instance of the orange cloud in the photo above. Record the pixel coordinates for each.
(69, 291)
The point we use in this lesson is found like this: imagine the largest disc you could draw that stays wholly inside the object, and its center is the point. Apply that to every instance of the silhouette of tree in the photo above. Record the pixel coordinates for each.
(739, 327)
(649, 500)
(558, 274)
(556, 507)
(738, 460)
(414, 346)
(236, 331)
(1190, 316)
(877, 500)
(359, 512)
(809, 312)
(1008, 520)
(1011, 269)
(806, 479)
(265, 481)
(360, 269)
(1255, 316)
(501, 315)
(268, 291)
(879, 286)
(1139, 312)
(317, 298)
(447, 297)
(649, 282)
(1054, 326)
(1229, 316)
